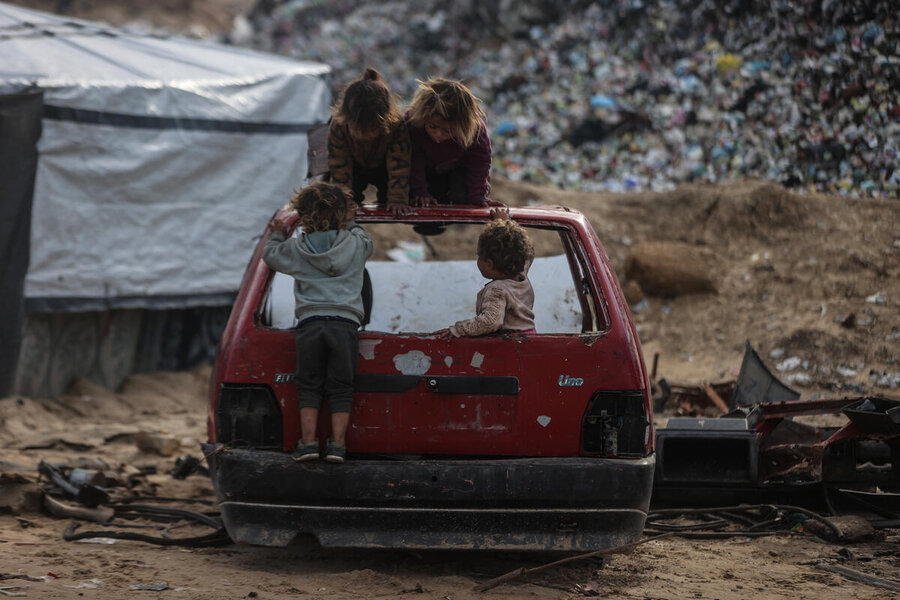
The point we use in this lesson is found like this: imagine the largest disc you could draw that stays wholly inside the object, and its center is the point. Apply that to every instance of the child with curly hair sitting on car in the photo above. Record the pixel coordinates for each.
(326, 261)
(451, 148)
(505, 303)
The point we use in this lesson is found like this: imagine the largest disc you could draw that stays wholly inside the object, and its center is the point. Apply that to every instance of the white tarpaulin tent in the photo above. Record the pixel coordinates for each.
(142, 168)
(160, 160)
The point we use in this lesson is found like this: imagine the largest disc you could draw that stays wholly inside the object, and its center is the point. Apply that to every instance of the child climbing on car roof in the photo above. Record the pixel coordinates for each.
(368, 143)
(506, 303)
(451, 149)
(326, 261)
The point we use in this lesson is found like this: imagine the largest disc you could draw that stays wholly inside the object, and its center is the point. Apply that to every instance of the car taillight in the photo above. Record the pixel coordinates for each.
(248, 415)
(615, 424)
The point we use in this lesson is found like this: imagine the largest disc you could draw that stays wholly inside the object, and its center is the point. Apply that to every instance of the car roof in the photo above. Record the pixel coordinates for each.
(529, 214)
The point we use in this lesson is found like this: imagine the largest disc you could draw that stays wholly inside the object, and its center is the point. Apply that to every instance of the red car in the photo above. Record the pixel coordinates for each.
(528, 441)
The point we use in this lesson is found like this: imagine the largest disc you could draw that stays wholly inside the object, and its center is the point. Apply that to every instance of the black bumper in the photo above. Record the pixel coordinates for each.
(571, 504)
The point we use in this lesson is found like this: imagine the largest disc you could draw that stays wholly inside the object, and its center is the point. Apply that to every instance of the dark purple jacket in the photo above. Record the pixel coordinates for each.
(427, 155)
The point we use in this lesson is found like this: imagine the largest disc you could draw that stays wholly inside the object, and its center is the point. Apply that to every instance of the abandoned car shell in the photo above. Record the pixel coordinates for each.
(508, 441)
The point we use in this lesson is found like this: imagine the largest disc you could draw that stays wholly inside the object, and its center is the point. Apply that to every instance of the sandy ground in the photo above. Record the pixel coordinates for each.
(780, 259)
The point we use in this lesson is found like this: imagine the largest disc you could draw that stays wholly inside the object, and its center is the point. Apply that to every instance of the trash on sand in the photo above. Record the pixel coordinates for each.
(89, 495)
(98, 540)
(100, 514)
(152, 587)
(187, 465)
(591, 588)
(167, 515)
(91, 584)
(884, 380)
(850, 528)
(788, 364)
(11, 590)
(707, 399)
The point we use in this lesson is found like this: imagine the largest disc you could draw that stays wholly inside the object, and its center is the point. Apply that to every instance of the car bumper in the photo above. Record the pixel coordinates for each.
(565, 504)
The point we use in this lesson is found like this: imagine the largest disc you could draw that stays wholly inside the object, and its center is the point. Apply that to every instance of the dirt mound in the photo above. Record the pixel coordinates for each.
(811, 274)
(755, 211)
(671, 269)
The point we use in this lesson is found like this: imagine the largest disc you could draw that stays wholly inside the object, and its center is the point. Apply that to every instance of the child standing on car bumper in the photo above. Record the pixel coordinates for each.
(326, 261)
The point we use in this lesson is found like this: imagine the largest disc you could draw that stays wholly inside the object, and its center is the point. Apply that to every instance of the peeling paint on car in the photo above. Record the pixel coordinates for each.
(543, 420)
(415, 362)
(367, 348)
(448, 360)
(477, 360)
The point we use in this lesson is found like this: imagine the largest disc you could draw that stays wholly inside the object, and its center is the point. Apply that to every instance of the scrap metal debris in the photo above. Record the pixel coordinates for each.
(754, 520)
(84, 493)
(179, 516)
(764, 447)
(709, 399)
(110, 499)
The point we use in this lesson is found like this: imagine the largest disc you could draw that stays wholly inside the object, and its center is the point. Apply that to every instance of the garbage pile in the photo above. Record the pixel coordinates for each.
(637, 94)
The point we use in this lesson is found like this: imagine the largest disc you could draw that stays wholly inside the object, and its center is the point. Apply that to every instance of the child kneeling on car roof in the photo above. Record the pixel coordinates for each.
(506, 302)
(326, 261)
(451, 150)
(368, 143)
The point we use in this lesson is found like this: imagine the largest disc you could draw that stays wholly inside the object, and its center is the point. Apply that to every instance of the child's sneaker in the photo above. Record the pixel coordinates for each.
(335, 453)
(305, 452)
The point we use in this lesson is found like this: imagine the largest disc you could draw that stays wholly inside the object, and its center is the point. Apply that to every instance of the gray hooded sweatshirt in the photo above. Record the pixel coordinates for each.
(327, 278)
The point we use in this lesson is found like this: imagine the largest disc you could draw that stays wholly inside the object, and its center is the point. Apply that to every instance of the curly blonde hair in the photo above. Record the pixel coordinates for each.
(506, 245)
(452, 101)
(321, 206)
(368, 104)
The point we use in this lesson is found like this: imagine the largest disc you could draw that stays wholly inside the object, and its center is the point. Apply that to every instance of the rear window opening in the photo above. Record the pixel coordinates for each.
(424, 278)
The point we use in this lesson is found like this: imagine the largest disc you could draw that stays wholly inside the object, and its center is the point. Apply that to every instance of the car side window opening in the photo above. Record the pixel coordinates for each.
(593, 316)
(423, 283)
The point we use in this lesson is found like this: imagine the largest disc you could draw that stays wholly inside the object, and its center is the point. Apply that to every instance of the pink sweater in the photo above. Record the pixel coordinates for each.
(502, 305)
